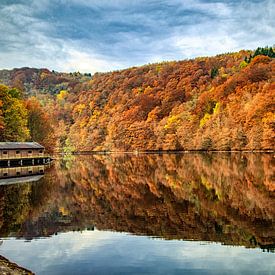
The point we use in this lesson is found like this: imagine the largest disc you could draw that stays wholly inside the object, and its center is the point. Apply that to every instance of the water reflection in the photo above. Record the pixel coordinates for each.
(21, 174)
(227, 198)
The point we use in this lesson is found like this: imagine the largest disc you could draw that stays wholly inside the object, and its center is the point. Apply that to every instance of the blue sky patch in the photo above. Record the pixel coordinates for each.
(101, 35)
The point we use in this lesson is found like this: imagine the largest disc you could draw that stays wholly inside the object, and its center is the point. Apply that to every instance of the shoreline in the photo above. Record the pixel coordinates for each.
(163, 152)
(8, 267)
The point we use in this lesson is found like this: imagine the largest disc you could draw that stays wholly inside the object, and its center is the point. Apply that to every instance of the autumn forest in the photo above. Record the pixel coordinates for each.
(224, 102)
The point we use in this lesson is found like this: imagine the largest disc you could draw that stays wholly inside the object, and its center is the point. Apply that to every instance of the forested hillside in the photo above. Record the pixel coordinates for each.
(218, 103)
(26, 101)
(36, 82)
(209, 103)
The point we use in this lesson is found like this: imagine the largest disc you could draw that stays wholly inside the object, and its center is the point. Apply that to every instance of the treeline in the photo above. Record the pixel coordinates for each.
(267, 51)
(24, 119)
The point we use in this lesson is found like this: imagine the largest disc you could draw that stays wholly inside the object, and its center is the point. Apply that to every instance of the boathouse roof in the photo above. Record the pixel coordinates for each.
(20, 145)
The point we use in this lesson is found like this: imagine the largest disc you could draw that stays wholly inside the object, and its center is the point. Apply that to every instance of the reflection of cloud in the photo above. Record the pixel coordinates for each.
(105, 35)
(98, 251)
(60, 248)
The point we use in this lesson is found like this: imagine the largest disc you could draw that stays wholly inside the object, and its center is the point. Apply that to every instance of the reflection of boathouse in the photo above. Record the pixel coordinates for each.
(21, 154)
(14, 175)
(21, 171)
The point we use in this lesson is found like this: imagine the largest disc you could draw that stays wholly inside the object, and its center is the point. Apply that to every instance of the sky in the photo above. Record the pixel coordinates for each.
(105, 35)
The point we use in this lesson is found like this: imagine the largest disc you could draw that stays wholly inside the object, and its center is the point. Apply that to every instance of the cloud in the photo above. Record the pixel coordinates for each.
(85, 62)
(103, 35)
(105, 252)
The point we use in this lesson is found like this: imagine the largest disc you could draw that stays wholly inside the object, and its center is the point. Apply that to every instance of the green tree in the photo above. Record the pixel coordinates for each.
(267, 51)
(14, 116)
(214, 72)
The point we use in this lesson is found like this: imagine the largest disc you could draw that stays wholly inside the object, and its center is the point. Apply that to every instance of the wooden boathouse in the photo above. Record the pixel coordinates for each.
(21, 154)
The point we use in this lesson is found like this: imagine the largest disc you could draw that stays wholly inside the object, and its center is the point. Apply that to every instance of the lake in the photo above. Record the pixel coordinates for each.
(180, 213)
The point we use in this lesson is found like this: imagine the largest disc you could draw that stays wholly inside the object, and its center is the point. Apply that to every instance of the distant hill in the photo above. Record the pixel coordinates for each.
(224, 102)
(34, 81)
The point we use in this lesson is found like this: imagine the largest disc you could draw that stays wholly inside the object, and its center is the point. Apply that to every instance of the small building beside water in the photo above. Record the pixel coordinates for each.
(21, 150)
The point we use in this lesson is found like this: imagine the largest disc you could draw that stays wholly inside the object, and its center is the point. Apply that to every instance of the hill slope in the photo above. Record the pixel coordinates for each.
(218, 103)
(213, 103)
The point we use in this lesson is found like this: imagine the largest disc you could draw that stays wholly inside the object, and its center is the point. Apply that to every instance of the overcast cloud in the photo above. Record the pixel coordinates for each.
(104, 35)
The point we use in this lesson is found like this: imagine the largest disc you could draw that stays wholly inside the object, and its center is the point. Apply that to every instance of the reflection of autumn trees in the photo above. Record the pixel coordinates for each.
(215, 197)
(21, 202)
(189, 196)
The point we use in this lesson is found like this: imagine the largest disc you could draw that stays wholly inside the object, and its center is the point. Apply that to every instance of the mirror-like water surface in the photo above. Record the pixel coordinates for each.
(144, 214)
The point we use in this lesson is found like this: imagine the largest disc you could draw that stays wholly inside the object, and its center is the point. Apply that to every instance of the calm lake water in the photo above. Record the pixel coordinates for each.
(185, 213)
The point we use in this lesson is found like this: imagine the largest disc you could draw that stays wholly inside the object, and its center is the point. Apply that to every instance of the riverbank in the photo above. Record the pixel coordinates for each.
(9, 268)
(161, 152)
